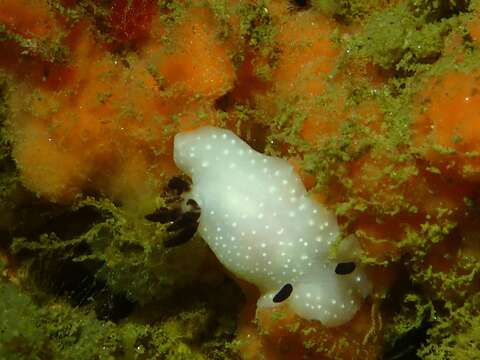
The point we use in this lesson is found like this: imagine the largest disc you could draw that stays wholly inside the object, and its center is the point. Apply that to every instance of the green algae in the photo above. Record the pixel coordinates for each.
(455, 335)
(74, 12)
(84, 280)
(50, 50)
(444, 332)
(349, 11)
(9, 180)
(259, 31)
(254, 34)
(20, 336)
(400, 39)
(124, 252)
(56, 330)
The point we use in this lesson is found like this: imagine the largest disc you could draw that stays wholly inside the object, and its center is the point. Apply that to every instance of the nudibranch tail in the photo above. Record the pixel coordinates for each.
(260, 222)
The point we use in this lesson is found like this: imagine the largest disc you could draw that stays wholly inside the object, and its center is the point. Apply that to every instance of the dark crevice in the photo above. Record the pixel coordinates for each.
(407, 346)
(224, 102)
(76, 283)
(443, 9)
(39, 217)
(300, 5)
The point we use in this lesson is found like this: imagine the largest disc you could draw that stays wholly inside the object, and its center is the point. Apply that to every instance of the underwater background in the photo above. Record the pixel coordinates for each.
(376, 103)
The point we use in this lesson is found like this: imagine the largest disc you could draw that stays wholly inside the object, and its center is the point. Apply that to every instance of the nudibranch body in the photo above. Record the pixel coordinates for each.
(260, 222)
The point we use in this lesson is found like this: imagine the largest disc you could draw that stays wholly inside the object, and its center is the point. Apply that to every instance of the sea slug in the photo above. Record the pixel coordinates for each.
(258, 219)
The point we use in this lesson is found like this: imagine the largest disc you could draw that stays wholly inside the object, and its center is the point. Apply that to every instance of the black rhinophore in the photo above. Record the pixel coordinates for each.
(283, 294)
(345, 268)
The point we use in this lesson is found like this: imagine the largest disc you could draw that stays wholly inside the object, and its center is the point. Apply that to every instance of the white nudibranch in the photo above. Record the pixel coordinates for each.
(259, 221)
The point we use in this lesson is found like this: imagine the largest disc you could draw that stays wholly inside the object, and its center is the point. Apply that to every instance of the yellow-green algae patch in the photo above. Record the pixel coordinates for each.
(56, 330)
(9, 181)
(104, 288)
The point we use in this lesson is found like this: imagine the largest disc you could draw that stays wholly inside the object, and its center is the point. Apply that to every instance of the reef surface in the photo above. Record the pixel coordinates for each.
(373, 102)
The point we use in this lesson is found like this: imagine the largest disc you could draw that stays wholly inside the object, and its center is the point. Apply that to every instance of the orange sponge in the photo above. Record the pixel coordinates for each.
(448, 126)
